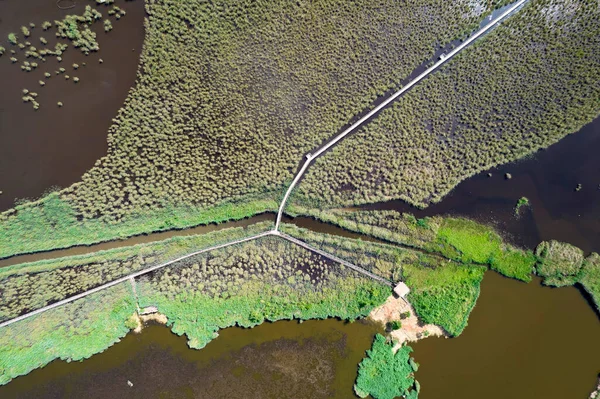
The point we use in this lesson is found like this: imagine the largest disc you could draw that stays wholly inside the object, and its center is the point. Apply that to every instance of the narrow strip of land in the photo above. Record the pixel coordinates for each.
(130, 276)
(311, 156)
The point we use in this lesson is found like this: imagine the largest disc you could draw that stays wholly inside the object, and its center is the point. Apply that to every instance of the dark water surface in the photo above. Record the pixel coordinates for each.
(314, 359)
(548, 179)
(51, 146)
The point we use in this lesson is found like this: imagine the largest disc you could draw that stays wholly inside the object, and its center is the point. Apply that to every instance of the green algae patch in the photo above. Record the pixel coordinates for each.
(385, 374)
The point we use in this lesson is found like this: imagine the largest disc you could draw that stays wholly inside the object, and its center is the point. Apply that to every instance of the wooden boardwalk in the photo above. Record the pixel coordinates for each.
(309, 158)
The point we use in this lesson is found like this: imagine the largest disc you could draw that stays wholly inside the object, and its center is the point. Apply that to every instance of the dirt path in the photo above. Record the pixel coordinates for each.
(412, 329)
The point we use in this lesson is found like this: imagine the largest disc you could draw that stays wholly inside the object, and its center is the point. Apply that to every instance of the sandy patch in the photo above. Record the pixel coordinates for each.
(412, 329)
(141, 320)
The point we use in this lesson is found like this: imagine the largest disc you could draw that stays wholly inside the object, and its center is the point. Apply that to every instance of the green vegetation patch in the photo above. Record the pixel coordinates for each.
(266, 279)
(74, 331)
(477, 243)
(30, 286)
(590, 277)
(457, 239)
(559, 263)
(445, 295)
(246, 284)
(523, 86)
(562, 264)
(384, 374)
(53, 223)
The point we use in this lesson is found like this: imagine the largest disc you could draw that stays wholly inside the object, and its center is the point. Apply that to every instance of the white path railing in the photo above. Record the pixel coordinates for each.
(357, 124)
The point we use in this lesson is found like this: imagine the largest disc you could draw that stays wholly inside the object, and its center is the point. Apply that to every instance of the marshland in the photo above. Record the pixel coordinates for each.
(226, 99)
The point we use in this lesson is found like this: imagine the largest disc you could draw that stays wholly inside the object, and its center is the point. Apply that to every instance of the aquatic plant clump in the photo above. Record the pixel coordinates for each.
(562, 264)
(559, 262)
(385, 374)
(231, 94)
(522, 87)
(268, 279)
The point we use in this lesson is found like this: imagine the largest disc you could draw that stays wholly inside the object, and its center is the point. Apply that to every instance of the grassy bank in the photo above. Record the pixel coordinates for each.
(384, 374)
(443, 292)
(53, 223)
(71, 332)
(268, 279)
(562, 264)
(30, 286)
(457, 239)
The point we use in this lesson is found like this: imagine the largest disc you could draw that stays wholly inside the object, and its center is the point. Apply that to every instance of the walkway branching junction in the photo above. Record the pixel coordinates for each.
(309, 158)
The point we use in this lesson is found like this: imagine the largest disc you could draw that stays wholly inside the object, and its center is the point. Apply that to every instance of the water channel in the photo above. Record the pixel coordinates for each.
(523, 340)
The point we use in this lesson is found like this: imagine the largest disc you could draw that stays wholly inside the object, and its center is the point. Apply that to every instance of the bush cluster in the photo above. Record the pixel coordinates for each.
(562, 264)
(385, 374)
(522, 87)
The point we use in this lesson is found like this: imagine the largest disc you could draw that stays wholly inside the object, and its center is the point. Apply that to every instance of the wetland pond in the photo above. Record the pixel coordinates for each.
(523, 341)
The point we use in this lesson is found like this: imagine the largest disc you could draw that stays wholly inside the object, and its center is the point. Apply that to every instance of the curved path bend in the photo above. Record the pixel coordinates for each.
(310, 157)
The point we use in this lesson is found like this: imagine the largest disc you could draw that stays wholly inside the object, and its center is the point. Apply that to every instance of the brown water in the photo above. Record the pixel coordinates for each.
(314, 359)
(52, 146)
(523, 341)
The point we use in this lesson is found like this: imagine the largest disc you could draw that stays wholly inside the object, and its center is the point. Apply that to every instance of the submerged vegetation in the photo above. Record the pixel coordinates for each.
(230, 95)
(522, 87)
(385, 374)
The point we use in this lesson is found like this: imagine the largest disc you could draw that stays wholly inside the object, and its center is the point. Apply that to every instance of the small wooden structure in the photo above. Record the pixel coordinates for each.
(401, 290)
(149, 310)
